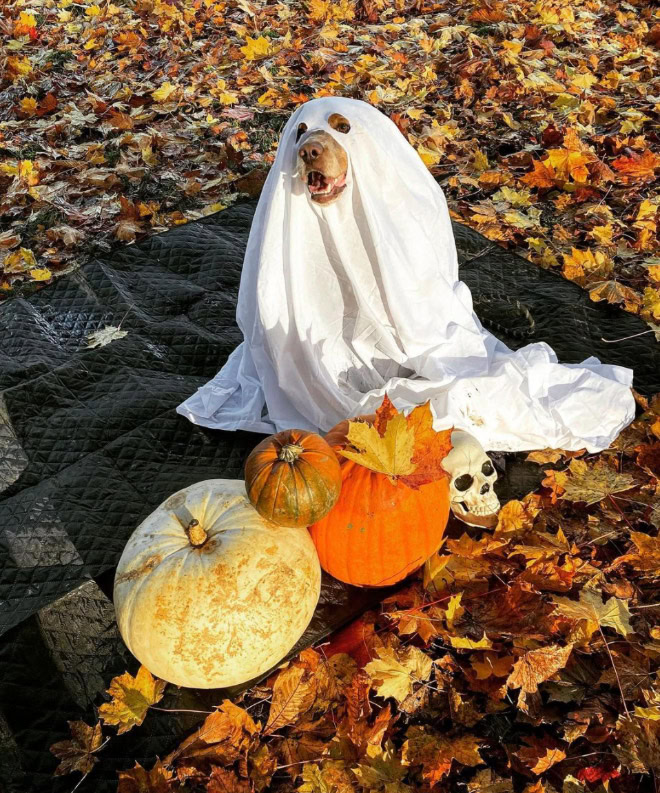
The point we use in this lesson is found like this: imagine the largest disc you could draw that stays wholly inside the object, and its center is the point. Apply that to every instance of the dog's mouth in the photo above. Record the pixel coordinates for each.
(324, 189)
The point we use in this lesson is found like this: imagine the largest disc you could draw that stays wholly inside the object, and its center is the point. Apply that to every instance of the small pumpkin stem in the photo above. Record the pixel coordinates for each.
(196, 534)
(290, 452)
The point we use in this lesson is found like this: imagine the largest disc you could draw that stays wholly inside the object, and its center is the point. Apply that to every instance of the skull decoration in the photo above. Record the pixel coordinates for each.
(473, 499)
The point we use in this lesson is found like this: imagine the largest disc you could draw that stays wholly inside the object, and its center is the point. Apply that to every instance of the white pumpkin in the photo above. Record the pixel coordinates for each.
(210, 594)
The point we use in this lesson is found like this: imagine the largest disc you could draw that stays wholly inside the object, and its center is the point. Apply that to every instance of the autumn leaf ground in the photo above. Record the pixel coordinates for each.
(525, 659)
(539, 119)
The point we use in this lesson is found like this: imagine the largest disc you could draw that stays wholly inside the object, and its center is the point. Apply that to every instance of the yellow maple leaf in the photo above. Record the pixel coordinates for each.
(93, 11)
(19, 261)
(580, 264)
(429, 157)
(395, 670)
(652, 302)
(493, 665)
(26, 20)
(480, 161)
(390, 454)
(613, 613)
(517, 198)
(463, 643)
(131, 699)
(27, 172)
(583, 82)
(415, 113)
(29, 105)
(41, 274)
(603, 234)
(256, 48)
(454, 610)
(20, 66)
(164, 92)
(569, 163)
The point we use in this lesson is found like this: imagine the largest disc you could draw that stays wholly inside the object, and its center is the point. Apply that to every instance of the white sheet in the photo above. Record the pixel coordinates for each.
(340, 304)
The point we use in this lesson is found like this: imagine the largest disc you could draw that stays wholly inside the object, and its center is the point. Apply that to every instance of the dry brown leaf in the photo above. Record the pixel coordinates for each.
(294, 693)
(537, 666)
(77, 754)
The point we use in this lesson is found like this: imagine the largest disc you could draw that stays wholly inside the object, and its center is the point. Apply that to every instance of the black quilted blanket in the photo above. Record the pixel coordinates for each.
(90, 444)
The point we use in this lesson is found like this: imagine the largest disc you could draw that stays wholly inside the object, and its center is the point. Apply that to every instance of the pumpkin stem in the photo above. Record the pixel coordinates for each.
(290, 452)
(196, 534)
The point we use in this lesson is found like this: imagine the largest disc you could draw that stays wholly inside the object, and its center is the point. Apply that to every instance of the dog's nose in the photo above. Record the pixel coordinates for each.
(310, 151)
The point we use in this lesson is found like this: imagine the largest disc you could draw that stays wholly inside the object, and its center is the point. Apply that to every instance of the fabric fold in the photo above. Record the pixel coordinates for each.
(342, 303)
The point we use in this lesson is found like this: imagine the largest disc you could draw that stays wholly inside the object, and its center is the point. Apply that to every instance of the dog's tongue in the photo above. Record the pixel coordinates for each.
(318, 183)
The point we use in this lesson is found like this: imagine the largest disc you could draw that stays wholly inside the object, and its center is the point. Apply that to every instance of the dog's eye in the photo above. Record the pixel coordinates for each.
(340, 123)
(302, 128)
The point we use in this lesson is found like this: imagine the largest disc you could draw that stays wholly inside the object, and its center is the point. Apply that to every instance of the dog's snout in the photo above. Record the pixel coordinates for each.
(310, 151)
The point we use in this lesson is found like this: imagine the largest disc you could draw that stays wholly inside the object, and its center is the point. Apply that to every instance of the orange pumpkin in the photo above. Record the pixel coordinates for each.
(293, 478)
(378, 532)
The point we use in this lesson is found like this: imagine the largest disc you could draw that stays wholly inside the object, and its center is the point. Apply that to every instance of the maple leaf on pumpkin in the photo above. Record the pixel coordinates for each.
(404, 448)
(77, 754)
(131, 699)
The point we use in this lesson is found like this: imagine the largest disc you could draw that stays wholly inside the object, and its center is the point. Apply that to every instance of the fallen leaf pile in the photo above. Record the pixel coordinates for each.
(404, 448)
(523, 659)
(538, 117)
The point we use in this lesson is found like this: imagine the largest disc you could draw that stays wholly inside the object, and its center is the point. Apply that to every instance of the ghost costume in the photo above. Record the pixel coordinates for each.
(339, 304)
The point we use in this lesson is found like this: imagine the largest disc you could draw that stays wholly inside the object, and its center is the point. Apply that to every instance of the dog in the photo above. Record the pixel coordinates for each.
(322, 161)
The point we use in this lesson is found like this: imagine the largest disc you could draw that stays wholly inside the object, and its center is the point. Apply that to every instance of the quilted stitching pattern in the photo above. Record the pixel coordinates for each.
(90, 444)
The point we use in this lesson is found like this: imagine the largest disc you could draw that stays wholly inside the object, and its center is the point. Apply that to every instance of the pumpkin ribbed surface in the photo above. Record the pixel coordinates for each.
(378, 532)
(220, 604)
(293, 478)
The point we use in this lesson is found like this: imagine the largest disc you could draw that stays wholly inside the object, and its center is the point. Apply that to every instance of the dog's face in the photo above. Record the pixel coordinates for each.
(322, 161)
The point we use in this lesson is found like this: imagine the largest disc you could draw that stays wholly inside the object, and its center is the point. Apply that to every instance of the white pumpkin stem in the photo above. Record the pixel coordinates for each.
(196, 534)
(290, 452)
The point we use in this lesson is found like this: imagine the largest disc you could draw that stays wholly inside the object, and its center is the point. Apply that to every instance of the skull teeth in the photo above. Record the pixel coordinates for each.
(489, 507)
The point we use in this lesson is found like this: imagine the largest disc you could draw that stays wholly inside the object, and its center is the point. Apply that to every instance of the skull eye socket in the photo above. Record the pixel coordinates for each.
(463, 482)
(487, 469)
(302, 128)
